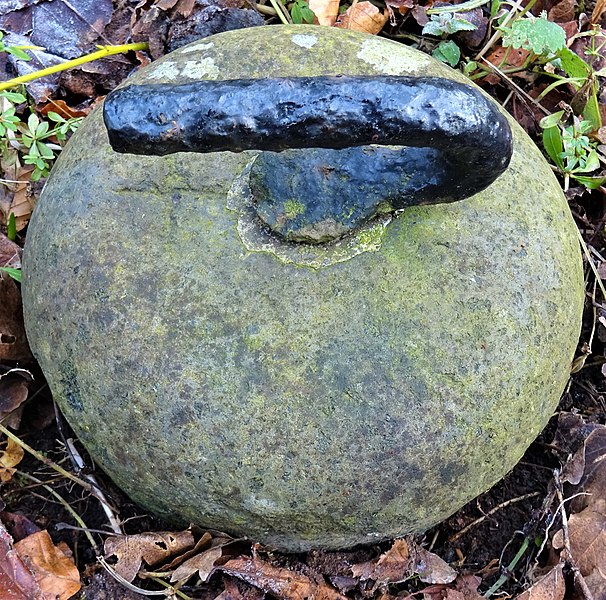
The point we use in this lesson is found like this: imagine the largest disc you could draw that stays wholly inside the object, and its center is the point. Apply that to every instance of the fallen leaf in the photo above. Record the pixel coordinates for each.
(593, 481)
(10, 253)
(587, 533)
(16, 580)
(563, 12)
(363, 16)
(61, 108)
(10, 457)
(326, 11)
(203, 564)
(18, 525)
(55, 573)
(550, 587)
(13, 342)
(430, 567)
(403, 560)
(13, 393)
(402, 6)
(393, 566)
(282, 583)
(467, 587)
(151, 548)
(23, 202)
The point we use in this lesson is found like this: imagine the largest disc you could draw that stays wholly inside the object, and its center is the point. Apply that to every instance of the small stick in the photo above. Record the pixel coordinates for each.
(491, 512)
(67, 506)
(96, 491)
(49, 463)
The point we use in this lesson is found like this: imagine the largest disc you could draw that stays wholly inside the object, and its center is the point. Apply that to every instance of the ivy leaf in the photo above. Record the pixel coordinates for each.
(447, 52)
(536, 34)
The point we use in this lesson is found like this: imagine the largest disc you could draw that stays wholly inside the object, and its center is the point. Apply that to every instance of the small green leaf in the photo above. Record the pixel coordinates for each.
(14, 97)
(296, 15)
(591, 183)
(591, 163)
(447, 52)
(14, 273)
(18, 53)
(592, 111)
(11, 228)
(572, 64)
(552, 142)
(536, 34)
(32, 122)
(55, 117)
(551, 120)
(308, 14)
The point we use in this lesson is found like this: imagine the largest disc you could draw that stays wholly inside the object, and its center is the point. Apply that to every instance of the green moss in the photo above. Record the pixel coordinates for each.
(293, 208)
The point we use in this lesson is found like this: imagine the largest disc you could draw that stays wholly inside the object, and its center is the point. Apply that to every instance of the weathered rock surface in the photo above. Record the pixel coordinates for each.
(305, 396)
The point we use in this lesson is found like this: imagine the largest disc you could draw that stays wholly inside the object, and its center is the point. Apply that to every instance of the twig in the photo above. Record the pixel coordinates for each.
(103, 52)
(491, 512)
(578, 576)
(114, 522)
(67, 507)
(47, 461)
(134, 588)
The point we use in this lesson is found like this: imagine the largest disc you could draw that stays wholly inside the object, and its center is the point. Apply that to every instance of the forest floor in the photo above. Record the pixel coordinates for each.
(538, 534)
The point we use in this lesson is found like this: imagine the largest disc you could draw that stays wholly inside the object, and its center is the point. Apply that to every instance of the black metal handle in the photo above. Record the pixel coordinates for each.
(456, 141)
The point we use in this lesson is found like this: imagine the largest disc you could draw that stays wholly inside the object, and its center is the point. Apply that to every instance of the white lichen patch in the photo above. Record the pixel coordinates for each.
(203, 68)
(196, 47)
(392, 61)
(304, 40)
(256, 238)
(166, 71)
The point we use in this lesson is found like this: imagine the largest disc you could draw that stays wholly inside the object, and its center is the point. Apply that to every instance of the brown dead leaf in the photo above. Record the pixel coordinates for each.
(13, 343)
(10, 253)
(203, 563)
(403, 560)
(151, 548)
(282, 583)
(18, 525)
(430, 567)
(55, 573)
(598, 11)
(326, 11)
(62, 109)
(563, 12)
(593, 481)
(23, 201)
(550, 587)
(13, 393)
(16, 580)
(10, 456)
(363, 16)
(402, 6)
(393, 566)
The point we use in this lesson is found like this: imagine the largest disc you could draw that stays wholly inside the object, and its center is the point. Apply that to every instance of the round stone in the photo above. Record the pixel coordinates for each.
(306, 396)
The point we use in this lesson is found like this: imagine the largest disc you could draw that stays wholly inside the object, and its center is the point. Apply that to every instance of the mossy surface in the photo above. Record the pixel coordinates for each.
(300, 398)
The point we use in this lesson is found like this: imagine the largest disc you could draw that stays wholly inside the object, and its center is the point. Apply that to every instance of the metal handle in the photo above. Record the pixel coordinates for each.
(454, 141)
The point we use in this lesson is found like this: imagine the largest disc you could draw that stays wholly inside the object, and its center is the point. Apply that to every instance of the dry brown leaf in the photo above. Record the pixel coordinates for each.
(13, 393)
(430, 567)
(393, 566)
(16, 580)
(203, 564)
(326, 11)
(402, 6)
(363, 16)
(550, 587)
(282, 583)
(593, 481)
(23, 201)
(10, 457)
(10, 253)
(151, 548)
(61, 108)
(563, 12)
(13, 343)
(598, 11)
(55, 573)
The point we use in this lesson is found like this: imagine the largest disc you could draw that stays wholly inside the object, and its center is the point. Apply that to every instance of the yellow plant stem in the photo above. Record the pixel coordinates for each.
(103, 52)
(49, 463)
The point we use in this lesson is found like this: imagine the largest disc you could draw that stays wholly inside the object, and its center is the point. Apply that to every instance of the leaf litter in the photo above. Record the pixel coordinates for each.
(214, 561)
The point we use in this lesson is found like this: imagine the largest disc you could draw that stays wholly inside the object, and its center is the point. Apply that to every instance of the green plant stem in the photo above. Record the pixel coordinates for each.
(278, 9)
(67, 506)
(101, 53)
(510, 567)
(458, 8)
(49, 463)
